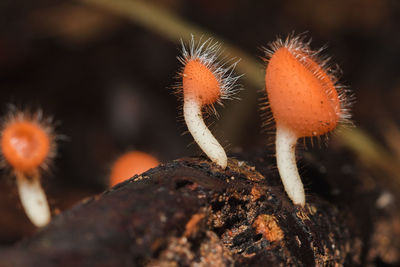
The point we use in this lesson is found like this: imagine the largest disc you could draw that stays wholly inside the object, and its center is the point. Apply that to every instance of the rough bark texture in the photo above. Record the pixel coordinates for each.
(191, 213)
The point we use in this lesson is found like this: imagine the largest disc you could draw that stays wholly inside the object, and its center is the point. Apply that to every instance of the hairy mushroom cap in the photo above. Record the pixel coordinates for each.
(200, 83)
(26, 144)
(204, 81)
(301, 93)
(203, 78)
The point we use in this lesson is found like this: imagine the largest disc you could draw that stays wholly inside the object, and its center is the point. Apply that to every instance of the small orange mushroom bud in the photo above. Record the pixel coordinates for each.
(204, 83)
(304, 101)
(130, 164)
(27, 145)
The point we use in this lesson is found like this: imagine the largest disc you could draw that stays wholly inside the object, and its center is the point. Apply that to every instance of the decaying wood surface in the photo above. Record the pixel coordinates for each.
(191, 213)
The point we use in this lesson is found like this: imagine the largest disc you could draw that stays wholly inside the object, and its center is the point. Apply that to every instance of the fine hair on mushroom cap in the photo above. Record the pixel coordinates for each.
(319, 66)
(27, 147)
(305, 101)
(37, 120)
(204, 81)
(208, 53)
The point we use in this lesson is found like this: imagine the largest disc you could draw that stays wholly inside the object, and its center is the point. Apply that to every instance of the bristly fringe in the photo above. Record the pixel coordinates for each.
(300, 49)
(207, 53)
(45, 123)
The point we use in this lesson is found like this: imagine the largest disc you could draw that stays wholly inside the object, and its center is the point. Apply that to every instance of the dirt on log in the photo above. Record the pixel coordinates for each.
(191, 213)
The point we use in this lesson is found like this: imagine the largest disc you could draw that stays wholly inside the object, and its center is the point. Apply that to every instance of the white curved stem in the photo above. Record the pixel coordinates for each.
(286, 160)
(201, 134)
(33, 199)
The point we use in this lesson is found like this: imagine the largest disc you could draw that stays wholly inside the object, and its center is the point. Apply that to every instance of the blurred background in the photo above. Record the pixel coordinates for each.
(105, 71)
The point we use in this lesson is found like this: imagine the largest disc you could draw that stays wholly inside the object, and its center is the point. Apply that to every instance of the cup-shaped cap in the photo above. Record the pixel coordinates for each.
(130, 164)
(301, 94)
(25, 145)
(200, 83)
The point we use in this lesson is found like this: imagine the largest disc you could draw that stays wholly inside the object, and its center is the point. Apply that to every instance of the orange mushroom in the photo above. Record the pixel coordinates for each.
(205, 82)
(304, 100)
(27, 146)
(130, 164)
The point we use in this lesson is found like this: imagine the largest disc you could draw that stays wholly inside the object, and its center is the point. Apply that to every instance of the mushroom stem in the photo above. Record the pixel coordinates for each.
(286, 160)
(201, 134)
(33, 199)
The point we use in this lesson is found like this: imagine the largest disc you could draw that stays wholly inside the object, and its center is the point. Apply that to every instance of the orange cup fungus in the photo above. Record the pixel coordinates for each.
(130, 164)
(200, 83)
(27, 145)
(301, 94)
(205, 82)
(304, 100)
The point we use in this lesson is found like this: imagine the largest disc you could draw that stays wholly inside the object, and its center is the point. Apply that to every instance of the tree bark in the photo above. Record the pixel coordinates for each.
(192, 213)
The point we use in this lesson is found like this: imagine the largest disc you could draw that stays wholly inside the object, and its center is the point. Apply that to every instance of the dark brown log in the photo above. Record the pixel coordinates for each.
(190, 212)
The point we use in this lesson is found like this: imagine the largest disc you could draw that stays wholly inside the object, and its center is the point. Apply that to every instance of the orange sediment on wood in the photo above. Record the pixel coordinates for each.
(266, 225)
(193, 224)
